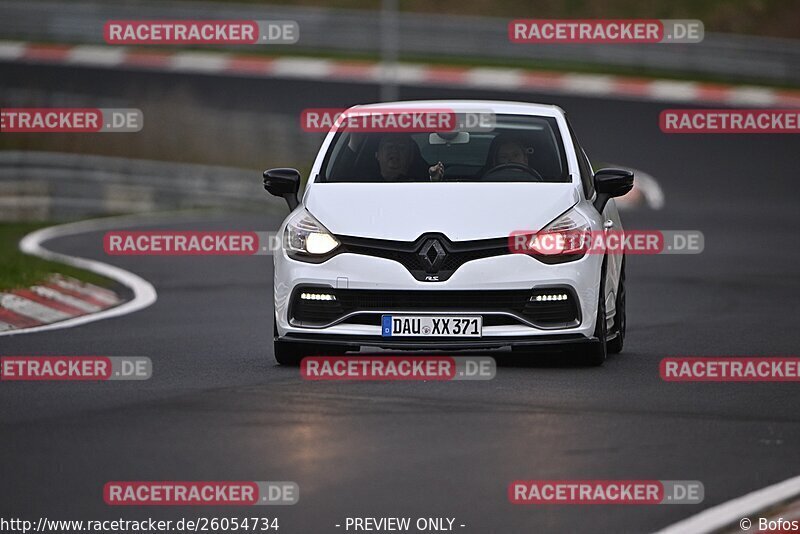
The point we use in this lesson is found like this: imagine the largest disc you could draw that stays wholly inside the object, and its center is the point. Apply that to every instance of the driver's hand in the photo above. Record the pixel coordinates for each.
(436, 172)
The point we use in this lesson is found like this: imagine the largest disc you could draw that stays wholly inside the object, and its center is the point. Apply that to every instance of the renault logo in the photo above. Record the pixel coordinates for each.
(432, 255)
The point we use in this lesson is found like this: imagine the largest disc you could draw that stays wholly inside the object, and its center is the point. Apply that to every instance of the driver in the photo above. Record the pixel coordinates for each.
(509, 150)
(396, 157)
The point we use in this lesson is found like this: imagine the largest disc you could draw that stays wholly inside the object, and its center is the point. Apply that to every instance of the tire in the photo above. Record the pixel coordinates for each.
(291, 354)
(595, 354)
(285, 353)
(620, 320)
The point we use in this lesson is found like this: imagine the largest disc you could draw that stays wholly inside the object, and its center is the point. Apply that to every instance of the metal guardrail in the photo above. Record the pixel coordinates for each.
(445, 36)
(56, 186)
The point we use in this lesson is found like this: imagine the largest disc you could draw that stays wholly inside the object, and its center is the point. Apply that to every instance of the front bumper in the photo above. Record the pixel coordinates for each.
(354, 342)
(494, 274)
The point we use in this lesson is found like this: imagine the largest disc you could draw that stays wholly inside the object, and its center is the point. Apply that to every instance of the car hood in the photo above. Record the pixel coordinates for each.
(461, 211)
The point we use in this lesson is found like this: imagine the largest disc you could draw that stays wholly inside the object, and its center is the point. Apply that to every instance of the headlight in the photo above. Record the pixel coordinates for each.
(306, 239)
(565, 239)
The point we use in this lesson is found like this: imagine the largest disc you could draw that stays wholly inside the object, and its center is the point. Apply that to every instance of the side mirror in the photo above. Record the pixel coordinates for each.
(283, 183)
(611, 183)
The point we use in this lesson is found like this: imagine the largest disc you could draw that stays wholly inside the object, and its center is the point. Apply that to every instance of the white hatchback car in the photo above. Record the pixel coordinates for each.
(401, 240)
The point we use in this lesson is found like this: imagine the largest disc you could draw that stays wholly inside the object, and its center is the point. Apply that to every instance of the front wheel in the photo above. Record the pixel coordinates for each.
(289, 353)
(285, 353)
(596, 353)
(615, 345)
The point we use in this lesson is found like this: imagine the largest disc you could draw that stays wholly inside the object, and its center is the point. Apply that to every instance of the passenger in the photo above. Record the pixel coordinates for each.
(394, 155)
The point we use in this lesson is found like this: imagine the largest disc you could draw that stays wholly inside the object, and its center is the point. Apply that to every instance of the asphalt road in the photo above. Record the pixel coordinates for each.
(218, 408)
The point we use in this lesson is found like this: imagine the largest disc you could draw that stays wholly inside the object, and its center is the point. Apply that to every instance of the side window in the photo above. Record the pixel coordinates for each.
(587, 174)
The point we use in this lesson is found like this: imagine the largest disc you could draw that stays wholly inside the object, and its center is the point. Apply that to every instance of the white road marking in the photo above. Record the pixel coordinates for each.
(673, 90)
(69, 300)
(751, 96)
(12, 50)
(98, 293)
(587, 85)
(144, 294)
(729, 513)
(303, 68)
(29, 308)
(647, 185)
(199, 61)
(96, 55)
(494, 77)
(653, 194)
(410, 74)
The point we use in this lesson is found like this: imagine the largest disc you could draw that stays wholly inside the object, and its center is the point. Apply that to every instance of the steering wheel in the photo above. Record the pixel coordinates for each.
(516, 167)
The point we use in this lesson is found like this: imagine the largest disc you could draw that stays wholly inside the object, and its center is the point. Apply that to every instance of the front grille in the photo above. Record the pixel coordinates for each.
(551, 312)
(316, 312)
(410, 254)
(362, 301)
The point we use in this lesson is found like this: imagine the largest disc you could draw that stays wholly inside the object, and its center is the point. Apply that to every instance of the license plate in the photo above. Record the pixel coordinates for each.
(431, 326)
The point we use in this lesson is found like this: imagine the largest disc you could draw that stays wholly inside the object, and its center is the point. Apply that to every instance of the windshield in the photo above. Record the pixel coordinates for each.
(519, 148)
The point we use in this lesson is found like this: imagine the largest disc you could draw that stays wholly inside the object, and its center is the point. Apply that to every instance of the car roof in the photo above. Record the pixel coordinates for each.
(462, 106)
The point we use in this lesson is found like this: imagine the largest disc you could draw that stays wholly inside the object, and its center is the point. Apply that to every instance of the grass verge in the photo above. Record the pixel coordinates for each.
(18, 270)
